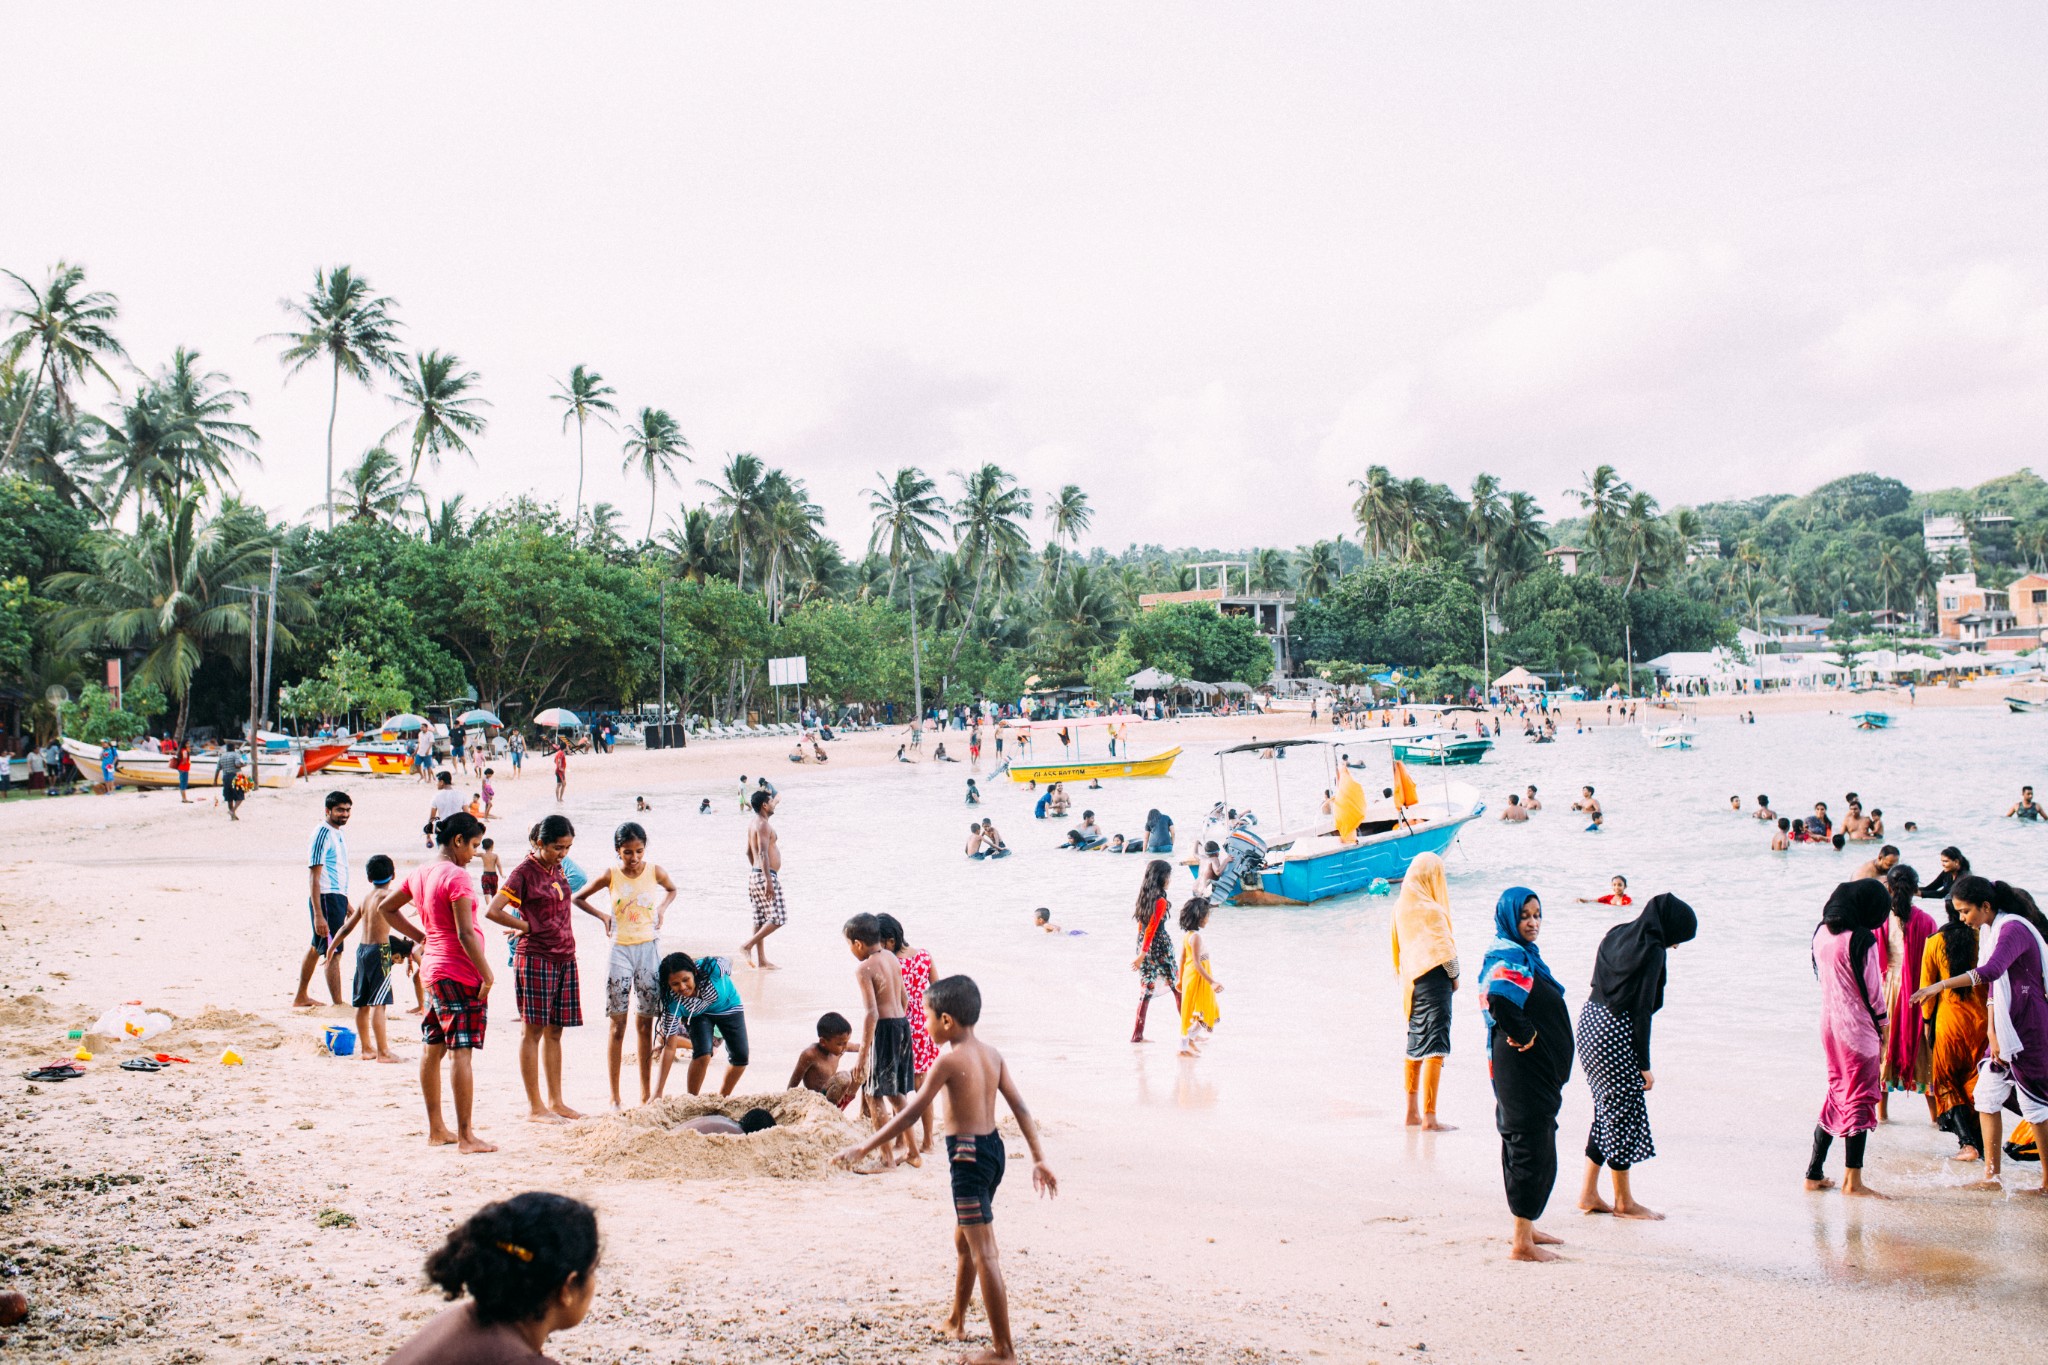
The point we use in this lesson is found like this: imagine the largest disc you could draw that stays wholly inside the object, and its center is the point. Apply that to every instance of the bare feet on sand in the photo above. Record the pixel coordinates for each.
(1635, 1210)
(1862, 1192)
(565, 1111)
(988, 1357)
(471, 1146)
(1820, 1184)
(545, 1116)
(1595, 1204)
(440, 1137)
(1531, 1253)
(1968, 1154)
(390, 1057)
(1430, 1125)
(949, 1330)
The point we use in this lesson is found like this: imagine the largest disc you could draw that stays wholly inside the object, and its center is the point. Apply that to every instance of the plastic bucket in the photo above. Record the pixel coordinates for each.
(341, 1041)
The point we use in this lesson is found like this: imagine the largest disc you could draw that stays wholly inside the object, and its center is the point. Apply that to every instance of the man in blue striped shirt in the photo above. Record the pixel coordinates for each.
(327, 896)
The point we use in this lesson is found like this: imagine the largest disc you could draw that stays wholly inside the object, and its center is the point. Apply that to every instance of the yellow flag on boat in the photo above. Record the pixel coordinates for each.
(1404, 786)
(1348, 804)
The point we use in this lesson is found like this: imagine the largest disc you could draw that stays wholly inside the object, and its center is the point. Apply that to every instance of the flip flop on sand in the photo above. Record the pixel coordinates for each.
(141, 1064)
(52, 1073)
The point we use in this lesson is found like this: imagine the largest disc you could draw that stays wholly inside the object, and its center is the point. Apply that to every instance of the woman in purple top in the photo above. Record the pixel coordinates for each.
(2014, 1072)
(1850, 966)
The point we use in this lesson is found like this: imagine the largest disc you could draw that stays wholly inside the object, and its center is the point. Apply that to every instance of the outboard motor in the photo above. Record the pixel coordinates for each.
(1246, 852)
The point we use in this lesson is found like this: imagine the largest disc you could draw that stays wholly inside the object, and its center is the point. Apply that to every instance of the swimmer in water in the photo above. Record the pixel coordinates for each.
(2024, 808)
(1617, 894)
(1590, 805)
(1781, 837)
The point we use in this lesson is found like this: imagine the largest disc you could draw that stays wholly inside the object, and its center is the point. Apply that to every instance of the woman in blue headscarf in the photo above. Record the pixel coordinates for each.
(1529, 1034)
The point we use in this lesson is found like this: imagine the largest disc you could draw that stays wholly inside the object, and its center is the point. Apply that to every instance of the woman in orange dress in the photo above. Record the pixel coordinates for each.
(1955, 1025)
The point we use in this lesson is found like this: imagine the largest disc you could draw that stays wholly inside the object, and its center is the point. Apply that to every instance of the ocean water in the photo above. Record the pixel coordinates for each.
(1308, 1051)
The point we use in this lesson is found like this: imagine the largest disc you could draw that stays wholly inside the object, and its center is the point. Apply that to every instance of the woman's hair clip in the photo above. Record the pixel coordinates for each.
(511, 1250)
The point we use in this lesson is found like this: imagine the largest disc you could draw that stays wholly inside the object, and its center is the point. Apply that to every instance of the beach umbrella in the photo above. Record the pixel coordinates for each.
(559, 717)
(479, 716)
(404, 720)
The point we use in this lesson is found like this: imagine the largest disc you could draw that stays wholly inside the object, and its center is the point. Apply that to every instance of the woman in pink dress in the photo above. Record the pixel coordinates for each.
(1906, 933)
(1849, 964)
(917, 979)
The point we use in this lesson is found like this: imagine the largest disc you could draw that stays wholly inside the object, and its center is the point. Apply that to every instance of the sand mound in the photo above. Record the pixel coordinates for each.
(212, 1026)
(18, 1010)
(645, 1144)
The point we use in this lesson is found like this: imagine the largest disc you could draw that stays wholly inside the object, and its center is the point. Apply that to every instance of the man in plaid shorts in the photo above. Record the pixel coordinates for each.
(534, 903)
(764, 880)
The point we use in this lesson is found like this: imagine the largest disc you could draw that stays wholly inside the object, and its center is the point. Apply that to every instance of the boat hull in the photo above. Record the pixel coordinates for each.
(2020, 706)
(139, 768)
(1156, 766)
(1454, 754)
(1346, 871)
(318, 757)
(371, 762)
(1872, 720)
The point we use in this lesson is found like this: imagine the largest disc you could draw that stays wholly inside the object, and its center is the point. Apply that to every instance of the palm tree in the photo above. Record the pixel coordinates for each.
(1083, 612)
(988, 515)
(653, 442)
(168, 592)
(1890, 571)
(201, 406)
(55, 452)
(692, 546)
(437, 391)
(584, 395)
(68, 326)
(740, 501)
(907, 511)
(788, 533)
(1377, 510)
(138, 454)
(952, 585)
(1269, 570)
(1070, 515)
(601, 528)
(1319, 568)
(373, 488)
(1604, 496)
(343, 321)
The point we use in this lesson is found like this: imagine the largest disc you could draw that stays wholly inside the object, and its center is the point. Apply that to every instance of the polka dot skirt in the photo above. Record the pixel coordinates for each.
(1621, 1120)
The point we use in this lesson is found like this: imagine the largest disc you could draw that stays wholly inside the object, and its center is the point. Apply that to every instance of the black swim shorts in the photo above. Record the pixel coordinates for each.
(977, 1165)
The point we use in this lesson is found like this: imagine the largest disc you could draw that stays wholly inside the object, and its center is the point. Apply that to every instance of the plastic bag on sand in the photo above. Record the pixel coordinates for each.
(132, 1021)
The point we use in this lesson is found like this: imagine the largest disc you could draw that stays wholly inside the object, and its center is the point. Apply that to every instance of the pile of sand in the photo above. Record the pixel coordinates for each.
(646, 1144)
(211, 1028)
(17, 1011)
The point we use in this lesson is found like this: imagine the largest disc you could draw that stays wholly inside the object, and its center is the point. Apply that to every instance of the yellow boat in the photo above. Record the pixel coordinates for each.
(376, 758)
(1155, 766)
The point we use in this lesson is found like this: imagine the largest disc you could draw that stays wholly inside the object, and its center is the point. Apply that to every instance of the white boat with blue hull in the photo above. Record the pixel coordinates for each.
(1314, 863)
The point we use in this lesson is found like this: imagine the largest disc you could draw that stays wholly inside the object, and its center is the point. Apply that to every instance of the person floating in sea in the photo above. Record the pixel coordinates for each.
(1849, 964)
(1425, 957)
(970, 1075)
(1590, 805)
(1530, 801)
(1614, 1047)
(1529, 1037)
(973, 793)
(1515, 812)
(2016, 1071)
(1763, 809)
(2024, 808)
(1617, 893)
(1781, 840)
(1953, 866)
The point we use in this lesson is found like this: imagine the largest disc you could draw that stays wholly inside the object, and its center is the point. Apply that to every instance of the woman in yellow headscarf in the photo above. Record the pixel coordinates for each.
(1426, 959)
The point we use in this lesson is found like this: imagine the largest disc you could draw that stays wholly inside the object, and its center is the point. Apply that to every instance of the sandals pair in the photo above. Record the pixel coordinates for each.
(141, 1064)
(59, 1071)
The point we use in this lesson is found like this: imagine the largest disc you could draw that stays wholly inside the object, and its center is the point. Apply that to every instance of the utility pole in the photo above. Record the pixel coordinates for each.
(255, 681)
(269, 633)
(661, 717)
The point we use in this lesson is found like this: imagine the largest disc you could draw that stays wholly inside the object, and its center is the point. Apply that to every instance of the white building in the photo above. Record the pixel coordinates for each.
(1941, 534)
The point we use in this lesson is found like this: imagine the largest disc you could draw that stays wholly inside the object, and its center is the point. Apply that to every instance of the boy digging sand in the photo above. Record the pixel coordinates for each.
(817, 1066)
(373, 962)
(887, 1063)
(971, 1074)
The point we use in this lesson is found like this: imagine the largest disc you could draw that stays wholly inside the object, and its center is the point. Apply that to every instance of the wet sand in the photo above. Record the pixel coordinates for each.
(1204, 1216)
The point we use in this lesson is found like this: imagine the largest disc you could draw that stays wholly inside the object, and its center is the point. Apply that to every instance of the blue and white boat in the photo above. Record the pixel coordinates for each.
(1872, 720)
(1309, 863)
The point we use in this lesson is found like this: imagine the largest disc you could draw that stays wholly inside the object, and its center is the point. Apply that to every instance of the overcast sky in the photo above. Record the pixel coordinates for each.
(1207, 261)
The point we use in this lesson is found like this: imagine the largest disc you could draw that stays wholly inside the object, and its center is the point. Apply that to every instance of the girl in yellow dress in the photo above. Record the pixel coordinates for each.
(1198, 1009)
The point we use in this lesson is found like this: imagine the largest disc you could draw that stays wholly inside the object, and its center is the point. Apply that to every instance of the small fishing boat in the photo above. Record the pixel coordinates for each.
(2024, 706)
(374, 758)
(1872, 720)
(1071, 767)
(315, 758)
(1449, 750)
(1386, 828)
(150, 768)
(1676, 735)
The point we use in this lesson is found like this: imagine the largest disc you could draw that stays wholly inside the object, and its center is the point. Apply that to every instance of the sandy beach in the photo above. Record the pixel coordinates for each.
(280, 1209)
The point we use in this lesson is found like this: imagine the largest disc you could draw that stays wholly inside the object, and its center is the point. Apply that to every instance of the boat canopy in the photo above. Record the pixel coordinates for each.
(1387, 736)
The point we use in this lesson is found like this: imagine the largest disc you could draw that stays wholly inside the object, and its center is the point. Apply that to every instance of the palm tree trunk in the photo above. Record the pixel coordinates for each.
(973, 610)
(916, 660)
(184, 713)
(650, 506)
(333, 406)
(28, 405)
(576, 527)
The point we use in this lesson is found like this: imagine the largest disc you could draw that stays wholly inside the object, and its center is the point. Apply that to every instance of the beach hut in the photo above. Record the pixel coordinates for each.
(1518, 679)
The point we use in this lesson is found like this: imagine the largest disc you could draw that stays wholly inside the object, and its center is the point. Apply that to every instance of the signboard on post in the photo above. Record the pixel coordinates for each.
(793, 671)
(114, 681)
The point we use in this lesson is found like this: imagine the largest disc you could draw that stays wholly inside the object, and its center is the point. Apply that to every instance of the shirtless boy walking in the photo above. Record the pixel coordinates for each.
(373, 962)
(764, 880)
(970, 1074)
(887, 1063)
